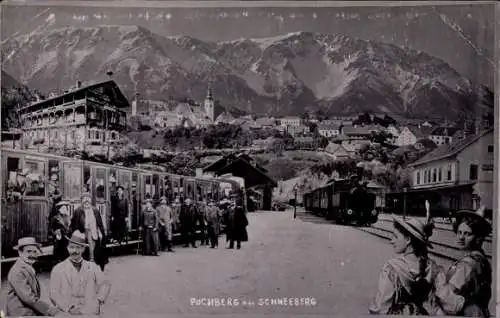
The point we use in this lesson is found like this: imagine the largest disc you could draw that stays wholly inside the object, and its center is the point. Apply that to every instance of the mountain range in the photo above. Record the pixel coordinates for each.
(283, 75)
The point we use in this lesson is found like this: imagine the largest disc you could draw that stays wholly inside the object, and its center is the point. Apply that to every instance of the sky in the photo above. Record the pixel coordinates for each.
(461, 35)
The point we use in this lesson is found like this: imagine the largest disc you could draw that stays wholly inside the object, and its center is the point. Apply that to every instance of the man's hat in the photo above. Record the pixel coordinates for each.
(416, 228)
(61, 203)
(78, 238)
(478, 215)
(120, 187)
(86, 195)
(23, 172)
(163, 198)
(27, 241)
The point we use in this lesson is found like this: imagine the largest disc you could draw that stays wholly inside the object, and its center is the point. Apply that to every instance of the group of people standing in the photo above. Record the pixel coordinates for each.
(157, 224)
(413, 284)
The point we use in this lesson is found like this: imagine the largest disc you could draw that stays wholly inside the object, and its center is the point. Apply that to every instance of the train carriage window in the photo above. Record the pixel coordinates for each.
(147, 186)
(35, 178)
(167, 188)
(154, 187)
(12, 177)
(72, 180)
(100, 190)
(87, 179)
(113, 181)
(161, 186)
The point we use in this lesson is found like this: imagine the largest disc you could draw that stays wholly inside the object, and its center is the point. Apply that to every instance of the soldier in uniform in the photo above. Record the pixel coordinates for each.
(166, 220)
(467, 287)
(149, 225)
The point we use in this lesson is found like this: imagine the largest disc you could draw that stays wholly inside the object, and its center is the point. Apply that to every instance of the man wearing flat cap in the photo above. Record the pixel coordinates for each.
(78, 287)
(23, 287)
(119, 215)
(87, 219)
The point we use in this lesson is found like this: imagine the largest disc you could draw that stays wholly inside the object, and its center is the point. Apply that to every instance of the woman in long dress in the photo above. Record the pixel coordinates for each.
(467, 289)
(59, 226)
(407, 282)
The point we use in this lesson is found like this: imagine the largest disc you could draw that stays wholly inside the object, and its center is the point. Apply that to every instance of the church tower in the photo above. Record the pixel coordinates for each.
(209, 104)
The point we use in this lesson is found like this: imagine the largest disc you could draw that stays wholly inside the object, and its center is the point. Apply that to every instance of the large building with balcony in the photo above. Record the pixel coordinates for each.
(84, 118)
(457, 175)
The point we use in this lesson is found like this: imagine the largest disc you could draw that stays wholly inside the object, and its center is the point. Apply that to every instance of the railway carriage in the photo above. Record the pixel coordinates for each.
(344, 202)
(29, 179)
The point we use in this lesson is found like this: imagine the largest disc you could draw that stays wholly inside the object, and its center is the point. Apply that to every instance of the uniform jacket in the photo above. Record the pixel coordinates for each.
(23, 292)
(82, 290)
(149, 218)
(467, 290)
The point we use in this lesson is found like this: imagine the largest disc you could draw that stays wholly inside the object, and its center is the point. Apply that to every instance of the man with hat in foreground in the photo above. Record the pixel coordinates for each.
(213, 216)
(87, 219)
(78, 287)
(236, 223)
(23, 287)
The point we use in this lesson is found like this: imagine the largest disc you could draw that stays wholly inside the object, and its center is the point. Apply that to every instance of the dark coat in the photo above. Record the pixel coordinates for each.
(60, 246)
(188, 216)
(236, 225)
(78, 223)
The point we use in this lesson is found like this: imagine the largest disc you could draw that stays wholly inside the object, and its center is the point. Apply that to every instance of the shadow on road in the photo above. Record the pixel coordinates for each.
(310, 218)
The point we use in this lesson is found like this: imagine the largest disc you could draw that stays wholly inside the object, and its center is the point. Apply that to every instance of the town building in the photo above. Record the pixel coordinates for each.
(410, 134)
(224, 118)
(328, 130)
(84, 118)
(290, 121)
(297, 130)
(338, 151)
(443, 135)
(458, 175)
(254, 175)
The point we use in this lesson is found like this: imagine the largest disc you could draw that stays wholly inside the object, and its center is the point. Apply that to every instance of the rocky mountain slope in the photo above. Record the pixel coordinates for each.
(283, 75)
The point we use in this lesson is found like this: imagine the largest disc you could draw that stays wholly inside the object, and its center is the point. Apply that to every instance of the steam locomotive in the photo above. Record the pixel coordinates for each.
(345, 201)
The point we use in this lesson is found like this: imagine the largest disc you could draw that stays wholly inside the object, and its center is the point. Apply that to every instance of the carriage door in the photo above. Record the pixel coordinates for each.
(101, 195)
(71, 183)
(134, 201)
(124, 179)
(35, 210)
(146, 187)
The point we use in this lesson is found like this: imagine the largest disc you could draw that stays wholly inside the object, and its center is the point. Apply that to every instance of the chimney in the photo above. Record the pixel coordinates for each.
(78, 84)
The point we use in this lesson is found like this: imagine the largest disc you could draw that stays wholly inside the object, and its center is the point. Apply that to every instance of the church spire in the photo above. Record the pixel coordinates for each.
(209, 92)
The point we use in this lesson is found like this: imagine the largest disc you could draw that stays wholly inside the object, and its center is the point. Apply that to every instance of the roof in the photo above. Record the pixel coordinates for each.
(421, 132)
(328, 127)
(427, 143)
(449, 150)
(225, 117)
(239, 166)
(265, 121)
(444, 131)
(349, 130)
(110, 88)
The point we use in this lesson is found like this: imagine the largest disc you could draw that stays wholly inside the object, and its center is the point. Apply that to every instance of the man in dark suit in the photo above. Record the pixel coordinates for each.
(87, 219)
(188, 216)
(119, 216)
(23, 287)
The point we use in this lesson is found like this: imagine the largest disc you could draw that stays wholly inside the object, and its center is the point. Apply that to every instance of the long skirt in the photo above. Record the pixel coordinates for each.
(151, 242)
(60, 250)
